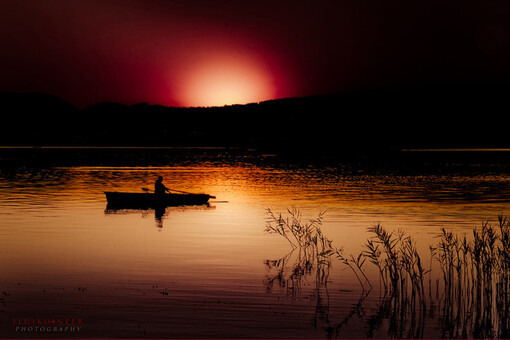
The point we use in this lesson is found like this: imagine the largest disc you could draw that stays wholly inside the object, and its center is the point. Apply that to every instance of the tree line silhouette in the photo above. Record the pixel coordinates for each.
(358, 121)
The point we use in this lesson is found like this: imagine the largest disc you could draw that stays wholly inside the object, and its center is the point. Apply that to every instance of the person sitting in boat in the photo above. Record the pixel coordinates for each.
(159, 187)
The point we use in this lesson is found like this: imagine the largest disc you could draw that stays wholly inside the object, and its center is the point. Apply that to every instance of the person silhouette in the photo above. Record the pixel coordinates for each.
(159, 187)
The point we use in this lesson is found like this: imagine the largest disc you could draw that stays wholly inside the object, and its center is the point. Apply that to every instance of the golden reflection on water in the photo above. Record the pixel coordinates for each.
(56, 235)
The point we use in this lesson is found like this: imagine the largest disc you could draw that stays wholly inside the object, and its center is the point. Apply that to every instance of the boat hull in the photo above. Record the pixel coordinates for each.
(149, 200)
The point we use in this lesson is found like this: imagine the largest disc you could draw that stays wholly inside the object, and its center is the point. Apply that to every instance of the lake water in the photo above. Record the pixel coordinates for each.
(212, 271)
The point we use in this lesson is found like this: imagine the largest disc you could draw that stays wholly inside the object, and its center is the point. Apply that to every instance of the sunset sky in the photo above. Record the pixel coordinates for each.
(208, 53)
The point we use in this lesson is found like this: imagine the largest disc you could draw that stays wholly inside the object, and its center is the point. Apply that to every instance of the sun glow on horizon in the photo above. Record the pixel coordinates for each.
(227, 80)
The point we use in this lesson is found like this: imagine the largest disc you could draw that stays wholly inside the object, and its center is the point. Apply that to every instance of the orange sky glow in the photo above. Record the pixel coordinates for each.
(215, 53)
(225, 79)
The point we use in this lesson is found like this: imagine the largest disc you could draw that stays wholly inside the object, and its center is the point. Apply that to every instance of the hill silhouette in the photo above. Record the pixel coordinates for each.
(348, 122)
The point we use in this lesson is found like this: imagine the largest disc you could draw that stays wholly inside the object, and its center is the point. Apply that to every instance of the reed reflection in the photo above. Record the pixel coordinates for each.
(309, 257)
(467, 291)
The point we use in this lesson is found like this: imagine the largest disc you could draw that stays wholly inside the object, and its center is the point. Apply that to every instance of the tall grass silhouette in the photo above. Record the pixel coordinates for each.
(468, 279)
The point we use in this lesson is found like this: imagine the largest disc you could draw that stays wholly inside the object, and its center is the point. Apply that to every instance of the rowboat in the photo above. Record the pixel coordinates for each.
(150, 200)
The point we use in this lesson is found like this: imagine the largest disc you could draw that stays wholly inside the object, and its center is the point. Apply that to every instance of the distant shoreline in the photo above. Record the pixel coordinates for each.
(85, 147)
(458, 150)
(124, 147)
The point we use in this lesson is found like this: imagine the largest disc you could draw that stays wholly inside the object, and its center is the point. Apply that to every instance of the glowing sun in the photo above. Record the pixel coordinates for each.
(226, 80)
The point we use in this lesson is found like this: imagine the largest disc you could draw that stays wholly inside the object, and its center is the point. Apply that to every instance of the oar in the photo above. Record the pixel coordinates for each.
(184, 192)
(147, 190)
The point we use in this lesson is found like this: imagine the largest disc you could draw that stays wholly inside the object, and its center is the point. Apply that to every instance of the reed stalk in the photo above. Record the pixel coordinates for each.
(472, 291)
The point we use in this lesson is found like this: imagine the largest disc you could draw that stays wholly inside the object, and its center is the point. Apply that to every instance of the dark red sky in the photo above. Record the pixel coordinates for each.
(194, 53)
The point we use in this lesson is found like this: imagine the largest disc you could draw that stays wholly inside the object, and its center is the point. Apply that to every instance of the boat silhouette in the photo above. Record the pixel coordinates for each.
(122, 200)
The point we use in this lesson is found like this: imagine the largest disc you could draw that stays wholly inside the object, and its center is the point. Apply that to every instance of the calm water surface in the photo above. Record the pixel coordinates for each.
(209, 271)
